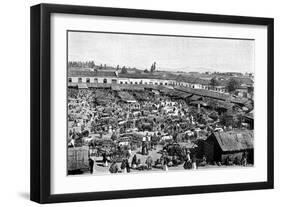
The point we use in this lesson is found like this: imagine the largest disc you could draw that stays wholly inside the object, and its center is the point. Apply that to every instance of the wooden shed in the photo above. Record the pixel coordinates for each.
(233, 144)
(77, 159)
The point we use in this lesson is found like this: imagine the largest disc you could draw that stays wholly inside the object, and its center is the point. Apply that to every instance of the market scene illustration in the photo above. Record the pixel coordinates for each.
(138, 103)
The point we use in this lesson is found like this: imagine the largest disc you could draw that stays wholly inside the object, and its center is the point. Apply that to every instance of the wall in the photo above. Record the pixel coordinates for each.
(14, 42)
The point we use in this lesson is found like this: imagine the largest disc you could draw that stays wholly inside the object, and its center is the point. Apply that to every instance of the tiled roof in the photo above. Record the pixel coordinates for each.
(193, 80)
(212, 94)
(145, 76)
(235, 140)
(202, 92)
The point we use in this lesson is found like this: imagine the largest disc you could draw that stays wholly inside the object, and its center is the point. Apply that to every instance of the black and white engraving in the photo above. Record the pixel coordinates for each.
(138, 103)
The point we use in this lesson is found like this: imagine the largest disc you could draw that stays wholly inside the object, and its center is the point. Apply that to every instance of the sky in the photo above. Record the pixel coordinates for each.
(171, 53)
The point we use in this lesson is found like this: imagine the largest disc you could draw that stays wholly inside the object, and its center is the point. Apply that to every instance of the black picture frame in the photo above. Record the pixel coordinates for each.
(41, 98)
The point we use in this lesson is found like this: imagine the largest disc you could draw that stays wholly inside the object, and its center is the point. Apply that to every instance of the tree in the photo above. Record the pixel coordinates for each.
(232, 85)
(91, 64)
(124, 70)
(213, 82)
(153, 67)
(146, 71)
(79, 64)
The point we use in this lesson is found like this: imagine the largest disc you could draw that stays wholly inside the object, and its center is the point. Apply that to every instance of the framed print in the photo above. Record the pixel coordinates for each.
(133, 103)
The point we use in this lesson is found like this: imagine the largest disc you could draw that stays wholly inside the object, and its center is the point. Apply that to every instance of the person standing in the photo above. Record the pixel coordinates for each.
(148, 142)
(148, 162)
(188, 163)
(165, 163)
(144, 146)
(134, 162)
(244, 159)
(194, 161)
(125, 166)
(129, 152)
(104, 160)
(153, 140)
(91, 165)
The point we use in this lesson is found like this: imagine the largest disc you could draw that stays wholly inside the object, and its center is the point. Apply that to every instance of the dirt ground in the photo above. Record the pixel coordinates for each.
(100, 169)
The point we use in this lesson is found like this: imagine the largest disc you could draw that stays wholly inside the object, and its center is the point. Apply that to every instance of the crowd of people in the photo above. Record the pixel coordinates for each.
(155, 120)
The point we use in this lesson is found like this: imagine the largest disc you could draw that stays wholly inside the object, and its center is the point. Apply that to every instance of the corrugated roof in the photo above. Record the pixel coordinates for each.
(235, 140)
